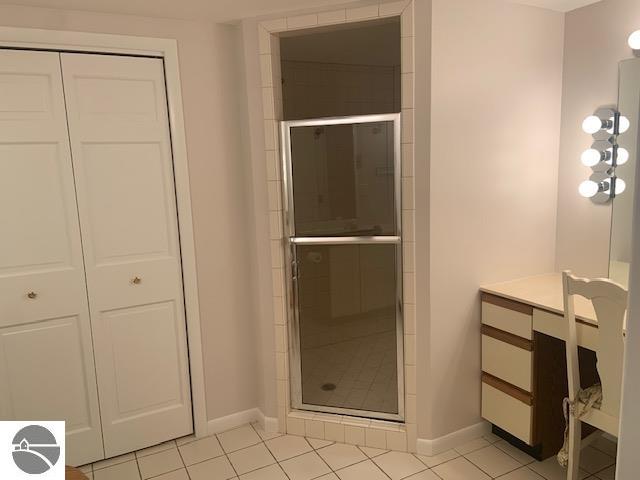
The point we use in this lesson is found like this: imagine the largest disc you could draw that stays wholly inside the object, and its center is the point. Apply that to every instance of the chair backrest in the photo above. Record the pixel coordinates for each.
(610, 304)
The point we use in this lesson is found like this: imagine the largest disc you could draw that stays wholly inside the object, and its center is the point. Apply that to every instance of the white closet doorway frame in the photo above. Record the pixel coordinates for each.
(167, 49)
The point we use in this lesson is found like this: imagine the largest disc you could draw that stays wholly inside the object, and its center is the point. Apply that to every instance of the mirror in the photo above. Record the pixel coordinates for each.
(622, 213)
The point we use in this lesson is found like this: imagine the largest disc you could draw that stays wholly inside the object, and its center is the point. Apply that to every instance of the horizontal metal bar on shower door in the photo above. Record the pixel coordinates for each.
(344, 240)
(353, 119)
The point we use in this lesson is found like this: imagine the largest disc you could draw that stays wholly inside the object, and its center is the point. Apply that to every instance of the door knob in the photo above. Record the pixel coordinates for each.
(136, 280)
(32, 295)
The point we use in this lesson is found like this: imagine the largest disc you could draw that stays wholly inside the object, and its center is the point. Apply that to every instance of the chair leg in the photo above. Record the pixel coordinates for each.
(575, 440)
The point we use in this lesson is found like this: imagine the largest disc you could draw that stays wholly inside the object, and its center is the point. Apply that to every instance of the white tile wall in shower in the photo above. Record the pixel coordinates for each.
(392, 9)
(302, 21)
(333, 17)
(362, 13)
(325, 89)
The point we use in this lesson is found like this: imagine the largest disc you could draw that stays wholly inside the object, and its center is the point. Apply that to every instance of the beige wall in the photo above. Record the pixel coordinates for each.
(261, 248)
(595, 41)
(221, 209)
(422, 218)
(496, 87)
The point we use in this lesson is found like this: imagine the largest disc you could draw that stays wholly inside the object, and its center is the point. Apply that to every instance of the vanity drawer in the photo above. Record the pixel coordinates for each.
(507, 315)
(555, 325)
(511, 414)
(508, 362)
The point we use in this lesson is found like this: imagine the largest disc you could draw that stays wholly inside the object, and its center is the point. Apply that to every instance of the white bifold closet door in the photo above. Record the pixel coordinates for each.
(121, 150)
(46, 357)
(92, 320)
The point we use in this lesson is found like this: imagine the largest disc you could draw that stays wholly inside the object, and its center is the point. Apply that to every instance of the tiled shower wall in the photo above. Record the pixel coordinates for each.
(327, 89)
(357, 431)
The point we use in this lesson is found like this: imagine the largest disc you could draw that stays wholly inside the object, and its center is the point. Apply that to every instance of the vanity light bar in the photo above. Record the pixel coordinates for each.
(634, 40)
(590, 189)
(614, 125)
(605, 155)
(605, 125)
(592, 156)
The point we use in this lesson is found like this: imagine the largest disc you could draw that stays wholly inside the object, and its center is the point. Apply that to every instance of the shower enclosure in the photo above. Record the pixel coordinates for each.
(342, 219)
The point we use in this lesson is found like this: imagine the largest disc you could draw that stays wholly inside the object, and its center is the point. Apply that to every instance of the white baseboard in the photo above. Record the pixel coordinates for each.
(452, 440)
(234, 420)
(217, 425)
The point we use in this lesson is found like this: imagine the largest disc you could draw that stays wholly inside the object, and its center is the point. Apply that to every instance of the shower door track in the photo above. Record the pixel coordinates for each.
(293, 313)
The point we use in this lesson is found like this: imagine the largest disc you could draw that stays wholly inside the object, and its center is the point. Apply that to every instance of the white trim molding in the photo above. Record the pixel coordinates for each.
(453, 439)
(167, 49)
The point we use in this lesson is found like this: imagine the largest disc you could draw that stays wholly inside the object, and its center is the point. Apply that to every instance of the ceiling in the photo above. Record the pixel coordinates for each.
(558, 5)
(217, 10)
(228, 10)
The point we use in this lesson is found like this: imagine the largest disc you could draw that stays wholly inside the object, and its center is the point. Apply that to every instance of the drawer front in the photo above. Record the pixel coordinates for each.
(507, 362)
(508, 320)
(508, 413)
(555, 325)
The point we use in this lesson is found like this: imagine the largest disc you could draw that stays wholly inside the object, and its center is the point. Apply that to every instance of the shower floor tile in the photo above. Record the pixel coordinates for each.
(355, 372)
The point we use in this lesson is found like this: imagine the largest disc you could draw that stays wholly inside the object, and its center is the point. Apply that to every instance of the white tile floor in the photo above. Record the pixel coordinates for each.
(248, 453)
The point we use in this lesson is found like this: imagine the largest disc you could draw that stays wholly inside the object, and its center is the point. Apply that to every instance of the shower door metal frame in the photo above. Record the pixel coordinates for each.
(290, 241)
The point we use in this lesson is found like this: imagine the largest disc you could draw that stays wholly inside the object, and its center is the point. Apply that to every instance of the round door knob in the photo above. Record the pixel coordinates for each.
(136, 280)
(32, 295)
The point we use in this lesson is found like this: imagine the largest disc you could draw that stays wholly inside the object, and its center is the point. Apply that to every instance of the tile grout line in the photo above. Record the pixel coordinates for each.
(321, 458)
(182, 458)
(267, 447)
(520, 465)
(426, 467)
(524, 466)
(135, 457)
(164, 473)
(226, 455)
(379, 468)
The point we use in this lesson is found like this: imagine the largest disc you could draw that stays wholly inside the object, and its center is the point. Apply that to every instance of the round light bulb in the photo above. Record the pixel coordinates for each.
(592, 124)
(634, 40)
(623, 124)
(588, 188)
(591, 157)
(620, 186)
(623, 156)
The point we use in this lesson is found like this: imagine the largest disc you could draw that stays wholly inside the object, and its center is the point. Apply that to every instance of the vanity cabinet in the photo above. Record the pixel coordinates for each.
(507, 366)
(524, 373)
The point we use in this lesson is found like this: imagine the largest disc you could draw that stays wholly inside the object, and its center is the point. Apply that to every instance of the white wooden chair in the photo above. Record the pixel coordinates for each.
(610, 304)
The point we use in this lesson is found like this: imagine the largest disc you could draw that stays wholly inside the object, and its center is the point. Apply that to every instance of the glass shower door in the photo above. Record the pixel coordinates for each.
(342, 220)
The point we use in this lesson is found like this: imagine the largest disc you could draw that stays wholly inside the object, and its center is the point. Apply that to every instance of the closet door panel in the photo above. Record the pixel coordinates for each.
(128, 177)
(39, 358)
(46, 357)
(124, 179)
(144, 382)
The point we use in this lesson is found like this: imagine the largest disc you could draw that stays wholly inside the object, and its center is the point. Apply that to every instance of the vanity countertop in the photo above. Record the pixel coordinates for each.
(543, 292)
